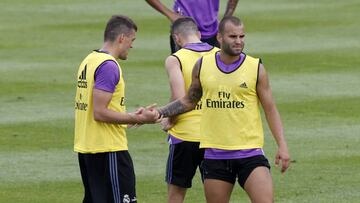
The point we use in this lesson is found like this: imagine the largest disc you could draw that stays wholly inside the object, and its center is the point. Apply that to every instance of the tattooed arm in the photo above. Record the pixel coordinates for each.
(187, 102)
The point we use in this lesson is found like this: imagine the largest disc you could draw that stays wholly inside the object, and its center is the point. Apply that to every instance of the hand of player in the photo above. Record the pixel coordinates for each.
(282, 157)
(174, 16)
(166, 124)
(149, 115)
(135, 113)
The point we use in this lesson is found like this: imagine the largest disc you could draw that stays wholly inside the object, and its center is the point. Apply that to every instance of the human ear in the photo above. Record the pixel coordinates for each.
(120, 38)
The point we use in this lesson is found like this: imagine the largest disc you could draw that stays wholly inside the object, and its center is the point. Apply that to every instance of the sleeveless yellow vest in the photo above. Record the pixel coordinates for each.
(187, 125)
(92, 136)
(230, 111)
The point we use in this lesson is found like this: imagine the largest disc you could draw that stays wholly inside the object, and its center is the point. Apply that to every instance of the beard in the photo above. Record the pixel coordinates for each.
(231, 52)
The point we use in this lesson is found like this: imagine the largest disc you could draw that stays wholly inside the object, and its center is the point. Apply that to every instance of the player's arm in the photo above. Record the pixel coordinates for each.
(230, 7)
(176, 79)
(177, 86)
(157, 5)
(102, 113)
(273, 118)
(187, 102)
(106, 78)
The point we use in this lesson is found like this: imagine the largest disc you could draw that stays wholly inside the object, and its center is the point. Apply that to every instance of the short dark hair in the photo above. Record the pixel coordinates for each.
(118, 24)
(234, 20)
(184, 25)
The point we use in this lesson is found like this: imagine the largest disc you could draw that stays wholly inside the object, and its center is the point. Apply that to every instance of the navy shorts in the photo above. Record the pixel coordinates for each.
(230, 169)
(108, 177)
(184, 158)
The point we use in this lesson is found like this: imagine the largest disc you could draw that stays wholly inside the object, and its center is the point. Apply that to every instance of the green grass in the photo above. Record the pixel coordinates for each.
(310, 49)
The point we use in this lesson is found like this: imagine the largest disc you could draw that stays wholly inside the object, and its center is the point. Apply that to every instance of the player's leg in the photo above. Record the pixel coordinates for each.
(217, 191)
(84, 177)
(259, 186)
(176, 194)
(122, 177)
(174, 173)
(94, 173)
(256, 180)
(181, 168)
(218, 180)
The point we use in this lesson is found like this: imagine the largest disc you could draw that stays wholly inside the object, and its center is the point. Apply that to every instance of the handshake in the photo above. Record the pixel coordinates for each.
(145, 115)
(149, 115)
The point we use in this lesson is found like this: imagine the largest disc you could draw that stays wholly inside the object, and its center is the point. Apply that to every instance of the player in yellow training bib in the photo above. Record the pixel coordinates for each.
(232, 86)
(100, 118)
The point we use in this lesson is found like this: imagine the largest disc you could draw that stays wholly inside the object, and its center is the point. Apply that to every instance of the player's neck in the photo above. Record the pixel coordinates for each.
(110, 49)
(191, 40)
(228, 59)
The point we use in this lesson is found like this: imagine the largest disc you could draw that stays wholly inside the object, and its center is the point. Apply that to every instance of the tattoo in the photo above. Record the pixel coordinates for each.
(190, 100)
(172, 109)
(195, 89)
(195, 93)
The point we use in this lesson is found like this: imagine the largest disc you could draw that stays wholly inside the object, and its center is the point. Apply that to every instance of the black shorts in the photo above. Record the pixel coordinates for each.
(212, 41)
(227, 170)
(108, 177)
(184, 158)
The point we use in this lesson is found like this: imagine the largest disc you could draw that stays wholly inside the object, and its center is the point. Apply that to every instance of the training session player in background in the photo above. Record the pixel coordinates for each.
(185, 155)
(100, 118)
(232, 85)
(204, 12)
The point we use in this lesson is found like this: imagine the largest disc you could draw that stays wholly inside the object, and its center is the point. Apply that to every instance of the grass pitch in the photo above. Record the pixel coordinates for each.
(310, 49)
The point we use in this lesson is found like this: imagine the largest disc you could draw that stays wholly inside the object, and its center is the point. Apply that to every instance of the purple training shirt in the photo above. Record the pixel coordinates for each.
(204, 12)
(228, 68)
(107, 76)
(212, 153)
(174, 140)
(198, 46)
